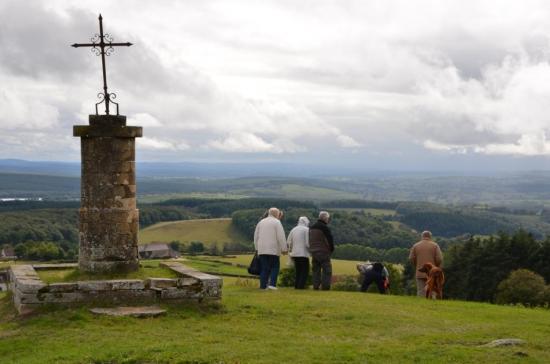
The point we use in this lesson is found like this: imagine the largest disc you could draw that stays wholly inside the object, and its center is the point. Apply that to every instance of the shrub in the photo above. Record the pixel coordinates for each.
(345, 283)
(522, 287)
(287, 278)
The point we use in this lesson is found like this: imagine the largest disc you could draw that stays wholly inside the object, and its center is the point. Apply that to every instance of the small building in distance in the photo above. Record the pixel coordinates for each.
(7, 253)
(157, 251)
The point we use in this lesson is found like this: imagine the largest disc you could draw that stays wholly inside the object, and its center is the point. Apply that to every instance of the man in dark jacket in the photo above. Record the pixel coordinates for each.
(321, 246)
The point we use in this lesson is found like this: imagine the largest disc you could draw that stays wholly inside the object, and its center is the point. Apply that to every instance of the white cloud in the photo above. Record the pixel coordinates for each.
(285, 77)
(145, 120)
(148, 143)
(241, 142)
(347, 142)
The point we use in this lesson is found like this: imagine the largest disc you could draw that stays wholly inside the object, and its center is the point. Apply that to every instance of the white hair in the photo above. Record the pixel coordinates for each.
(426, 234)
(274, 212)
(324, 215)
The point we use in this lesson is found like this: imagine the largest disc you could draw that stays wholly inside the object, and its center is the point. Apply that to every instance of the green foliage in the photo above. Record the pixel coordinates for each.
(287, 278)
(363, 253)
(360, 204)
(195, 247)
(474, 269)
(455, 221)
(175, 245)
(347, 228)
(346, 283)
(149, 215)
(522, 287)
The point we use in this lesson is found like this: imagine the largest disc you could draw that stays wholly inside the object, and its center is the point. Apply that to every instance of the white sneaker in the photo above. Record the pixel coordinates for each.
(272, 287)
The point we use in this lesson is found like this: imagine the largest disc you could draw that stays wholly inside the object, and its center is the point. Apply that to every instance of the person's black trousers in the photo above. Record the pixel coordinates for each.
(372, 276)
(301, 265)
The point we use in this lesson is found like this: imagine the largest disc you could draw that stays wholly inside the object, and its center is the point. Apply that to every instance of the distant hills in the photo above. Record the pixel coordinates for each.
(158, 181)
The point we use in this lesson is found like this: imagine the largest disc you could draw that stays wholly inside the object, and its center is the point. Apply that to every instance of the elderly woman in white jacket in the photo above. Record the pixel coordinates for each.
(298, 244)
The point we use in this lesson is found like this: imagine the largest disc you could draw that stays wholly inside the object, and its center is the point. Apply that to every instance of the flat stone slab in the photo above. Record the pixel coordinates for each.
(140, 312)
(504, 342)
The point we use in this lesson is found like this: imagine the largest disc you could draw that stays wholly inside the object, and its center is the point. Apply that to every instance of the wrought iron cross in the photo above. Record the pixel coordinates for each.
(102, 44)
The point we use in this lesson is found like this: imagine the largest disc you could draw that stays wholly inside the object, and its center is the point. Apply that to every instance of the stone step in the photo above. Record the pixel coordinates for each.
(140, 312)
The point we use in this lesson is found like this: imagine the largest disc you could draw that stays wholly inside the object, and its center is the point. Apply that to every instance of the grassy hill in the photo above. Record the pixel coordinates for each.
(207, 231)
(339, 267)
(284, 326)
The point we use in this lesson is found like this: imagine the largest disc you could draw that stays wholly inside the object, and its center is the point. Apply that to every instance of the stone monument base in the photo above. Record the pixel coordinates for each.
(30, 292)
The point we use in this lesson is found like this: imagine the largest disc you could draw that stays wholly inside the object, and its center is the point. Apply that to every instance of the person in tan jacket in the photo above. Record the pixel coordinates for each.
(425, 251)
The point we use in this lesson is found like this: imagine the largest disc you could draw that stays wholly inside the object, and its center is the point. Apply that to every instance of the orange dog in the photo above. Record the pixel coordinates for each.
(436, 279)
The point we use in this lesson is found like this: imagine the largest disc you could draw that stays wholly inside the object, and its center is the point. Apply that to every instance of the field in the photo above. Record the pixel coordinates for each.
(153, 198)
(339, 267)
(374, 212)
(208, 231)
(284, 326)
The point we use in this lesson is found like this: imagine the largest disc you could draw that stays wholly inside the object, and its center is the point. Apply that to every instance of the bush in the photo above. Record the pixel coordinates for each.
(286, 277)
(522, 287)
(346, 283)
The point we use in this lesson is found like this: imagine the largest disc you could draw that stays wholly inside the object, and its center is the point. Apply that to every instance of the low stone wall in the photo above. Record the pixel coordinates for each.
(30, 292)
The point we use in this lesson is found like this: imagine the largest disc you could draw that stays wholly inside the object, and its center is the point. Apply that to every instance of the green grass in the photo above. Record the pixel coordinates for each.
(208, 231)
(339, 267)
(285, 326)
(215, 268)
(148, 269)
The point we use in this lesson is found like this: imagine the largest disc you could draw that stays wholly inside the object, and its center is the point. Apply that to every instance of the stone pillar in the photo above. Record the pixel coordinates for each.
(109, 219)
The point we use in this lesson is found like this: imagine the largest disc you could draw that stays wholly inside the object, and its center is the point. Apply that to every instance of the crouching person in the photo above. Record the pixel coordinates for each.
(374, 272)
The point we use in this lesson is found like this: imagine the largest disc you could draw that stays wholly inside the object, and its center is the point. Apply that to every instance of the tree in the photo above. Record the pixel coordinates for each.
(522, 286)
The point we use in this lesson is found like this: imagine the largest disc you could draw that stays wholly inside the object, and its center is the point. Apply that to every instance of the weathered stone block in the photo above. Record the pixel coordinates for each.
(87, 286)
(52, 297)
(60, 287)
(175, 293)
(161, 283)
(124, 284)
(184, 282)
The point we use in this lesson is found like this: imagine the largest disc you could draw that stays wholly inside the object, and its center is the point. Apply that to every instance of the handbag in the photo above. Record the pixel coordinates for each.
(290, 263)
(254, 267)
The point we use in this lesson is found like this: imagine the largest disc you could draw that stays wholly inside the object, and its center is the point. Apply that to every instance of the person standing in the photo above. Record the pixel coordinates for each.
(270, 242)
(425, 251)
(321, 246)
(298, 246)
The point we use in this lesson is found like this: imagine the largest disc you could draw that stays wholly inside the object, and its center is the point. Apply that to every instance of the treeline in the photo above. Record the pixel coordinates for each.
(455, 221)
(474, 269)
(356, 228)
(226, 207)
(43, 234)
(359, 204)
(364, 253)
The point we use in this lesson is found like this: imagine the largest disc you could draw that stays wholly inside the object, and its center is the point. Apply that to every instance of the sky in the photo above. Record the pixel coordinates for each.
(379, 84)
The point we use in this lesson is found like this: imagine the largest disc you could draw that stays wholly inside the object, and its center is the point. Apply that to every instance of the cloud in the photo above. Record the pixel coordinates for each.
(332, 78)
(148, 143)
(241, 142)
(347, 142)
(504, 112)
